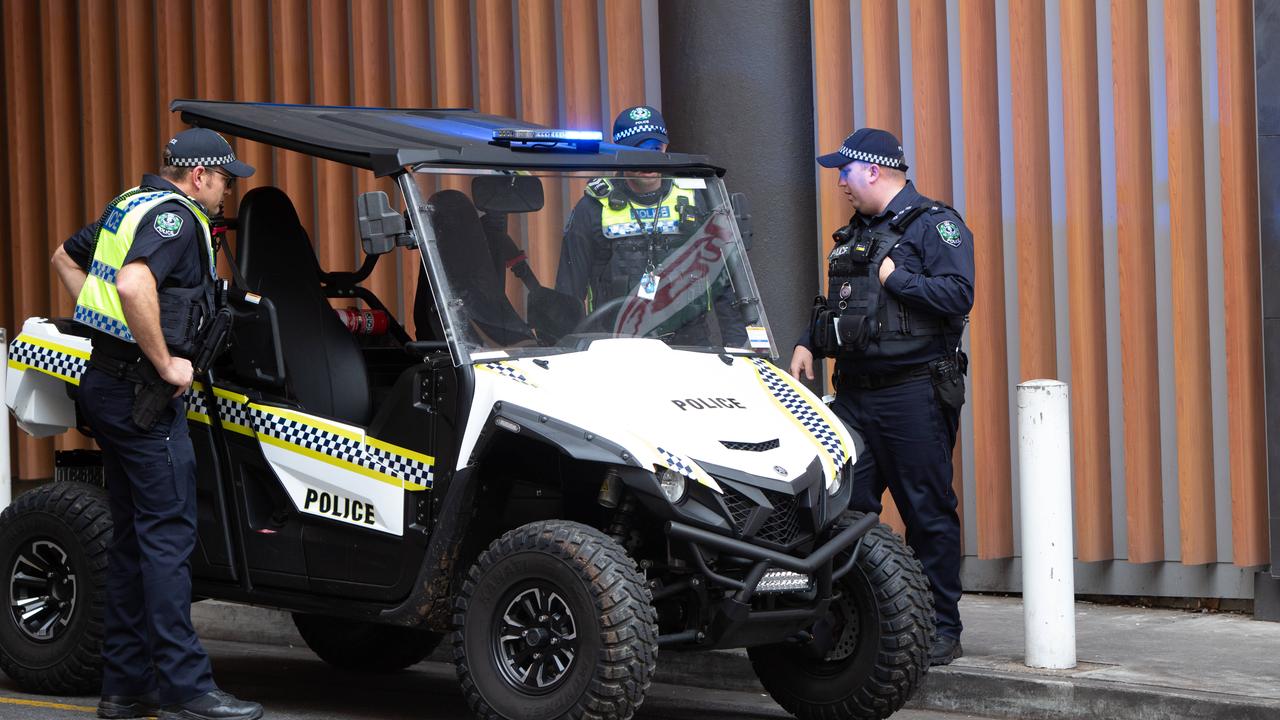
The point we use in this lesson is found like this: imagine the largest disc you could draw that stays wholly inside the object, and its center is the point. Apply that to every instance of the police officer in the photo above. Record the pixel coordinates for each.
(624, 228)
(143, 276)
(900, 286)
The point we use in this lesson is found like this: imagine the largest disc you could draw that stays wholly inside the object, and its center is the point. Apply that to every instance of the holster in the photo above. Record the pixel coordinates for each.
(947, 374)
(152, 397)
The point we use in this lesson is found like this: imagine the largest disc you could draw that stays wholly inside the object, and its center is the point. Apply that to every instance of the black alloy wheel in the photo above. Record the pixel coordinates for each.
(879, 628)
(53, 553)
(42, 590)
(554, 620)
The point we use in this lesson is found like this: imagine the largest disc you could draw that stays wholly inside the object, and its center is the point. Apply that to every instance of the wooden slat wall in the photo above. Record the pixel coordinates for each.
(1043, 290)
(1135, 229)
(78, 101)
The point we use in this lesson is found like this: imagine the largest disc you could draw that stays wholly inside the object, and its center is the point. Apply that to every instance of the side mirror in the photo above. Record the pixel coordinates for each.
(507, 193)
(742, 213)
(381, 228)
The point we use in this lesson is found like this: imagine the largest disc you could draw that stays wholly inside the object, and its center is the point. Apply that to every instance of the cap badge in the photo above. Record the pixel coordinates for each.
(640, 113)
(949, 233)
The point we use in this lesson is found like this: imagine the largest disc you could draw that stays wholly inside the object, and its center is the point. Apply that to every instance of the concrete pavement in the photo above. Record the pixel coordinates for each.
(1135, 663)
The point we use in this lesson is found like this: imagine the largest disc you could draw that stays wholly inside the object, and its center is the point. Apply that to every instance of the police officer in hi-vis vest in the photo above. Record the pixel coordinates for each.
(144, 280)
(900, 286)
(625, 227)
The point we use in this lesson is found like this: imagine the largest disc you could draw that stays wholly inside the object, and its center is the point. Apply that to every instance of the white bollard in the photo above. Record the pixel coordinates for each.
(6, 479)
(1044, 475)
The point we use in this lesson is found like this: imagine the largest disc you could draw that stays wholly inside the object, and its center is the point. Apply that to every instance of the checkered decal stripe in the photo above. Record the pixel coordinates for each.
(53, 362)
(677, 463)
(236, 413)
(798, 407)
(407, 469)
(506, 369)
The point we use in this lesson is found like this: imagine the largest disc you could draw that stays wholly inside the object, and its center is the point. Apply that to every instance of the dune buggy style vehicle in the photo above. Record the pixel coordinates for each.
(559, 485)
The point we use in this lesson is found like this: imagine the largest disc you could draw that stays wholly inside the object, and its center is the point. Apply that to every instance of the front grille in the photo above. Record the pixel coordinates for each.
(751, 446)
(739, 507)
(783, 524)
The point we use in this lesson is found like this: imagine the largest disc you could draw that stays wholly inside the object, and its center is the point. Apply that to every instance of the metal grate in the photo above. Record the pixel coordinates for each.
(738, 505)
(783, 525)
(751, 446)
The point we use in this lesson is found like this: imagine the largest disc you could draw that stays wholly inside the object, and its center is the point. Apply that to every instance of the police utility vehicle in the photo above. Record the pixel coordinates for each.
(562, 484)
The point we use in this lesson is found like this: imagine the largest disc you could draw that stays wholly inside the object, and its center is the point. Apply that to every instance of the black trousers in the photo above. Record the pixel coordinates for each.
(148, 642)
(909, 437)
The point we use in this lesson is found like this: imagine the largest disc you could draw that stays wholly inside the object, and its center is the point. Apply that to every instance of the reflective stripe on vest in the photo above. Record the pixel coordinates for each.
(98, 305)
(632, 220)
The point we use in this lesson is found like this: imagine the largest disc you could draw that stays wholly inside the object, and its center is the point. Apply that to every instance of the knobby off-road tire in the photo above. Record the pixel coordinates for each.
(554, 621)
(882, 626)
(53, 571)
(364, 647)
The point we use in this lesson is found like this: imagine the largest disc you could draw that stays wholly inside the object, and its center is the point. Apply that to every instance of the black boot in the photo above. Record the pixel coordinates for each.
(122, 707)
(944, 649)
(213, 705)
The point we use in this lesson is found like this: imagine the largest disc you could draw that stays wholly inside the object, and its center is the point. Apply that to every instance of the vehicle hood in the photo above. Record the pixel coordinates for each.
(671, 408)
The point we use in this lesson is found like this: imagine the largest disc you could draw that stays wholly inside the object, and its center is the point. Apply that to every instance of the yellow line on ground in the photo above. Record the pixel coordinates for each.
(42, 704)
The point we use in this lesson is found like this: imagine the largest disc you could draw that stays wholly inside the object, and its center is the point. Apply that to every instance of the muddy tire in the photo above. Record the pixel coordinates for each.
(882, 624)
(554, 620)
(364, 647)
(53, 573)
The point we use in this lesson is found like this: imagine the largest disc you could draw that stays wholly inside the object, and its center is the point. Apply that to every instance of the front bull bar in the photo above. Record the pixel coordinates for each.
(736, 610)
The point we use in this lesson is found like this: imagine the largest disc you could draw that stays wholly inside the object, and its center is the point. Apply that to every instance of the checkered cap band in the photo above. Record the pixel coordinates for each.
(791, 400)
(47, 360)
(206, 161)
(881, 160)
(637, 129)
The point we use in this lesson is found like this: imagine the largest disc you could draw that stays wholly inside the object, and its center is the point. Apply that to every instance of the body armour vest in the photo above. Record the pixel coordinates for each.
(639, 236)
(872, 324)
(98, 304)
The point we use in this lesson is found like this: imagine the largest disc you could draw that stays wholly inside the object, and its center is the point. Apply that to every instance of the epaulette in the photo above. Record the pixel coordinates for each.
(599, 188)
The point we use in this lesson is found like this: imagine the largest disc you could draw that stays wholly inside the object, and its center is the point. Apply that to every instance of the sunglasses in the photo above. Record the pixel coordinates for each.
(228, 177)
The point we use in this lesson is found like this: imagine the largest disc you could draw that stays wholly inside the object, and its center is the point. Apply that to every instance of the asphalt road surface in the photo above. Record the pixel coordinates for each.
(294, 685)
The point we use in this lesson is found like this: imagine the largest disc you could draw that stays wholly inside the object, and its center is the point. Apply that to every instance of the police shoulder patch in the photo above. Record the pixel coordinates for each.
(599, 188)
(168, 224)
(949, 232)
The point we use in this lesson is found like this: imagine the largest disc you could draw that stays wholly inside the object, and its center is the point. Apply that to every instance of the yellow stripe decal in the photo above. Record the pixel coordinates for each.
(44, 704)
(48, 345)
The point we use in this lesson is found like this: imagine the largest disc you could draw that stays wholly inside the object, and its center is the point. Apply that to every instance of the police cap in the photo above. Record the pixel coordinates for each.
(201, 146)
(868, 145)
(637, 124)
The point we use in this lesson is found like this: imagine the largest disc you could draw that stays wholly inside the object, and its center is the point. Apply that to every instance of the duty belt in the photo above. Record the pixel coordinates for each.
(884, 380)
(117, 368)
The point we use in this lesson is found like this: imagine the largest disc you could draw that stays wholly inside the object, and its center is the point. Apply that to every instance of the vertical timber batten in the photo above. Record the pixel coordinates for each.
(1135, 232)
(987, 341)
(1090, 424)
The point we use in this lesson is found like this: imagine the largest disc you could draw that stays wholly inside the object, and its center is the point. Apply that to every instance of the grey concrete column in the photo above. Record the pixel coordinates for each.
(1266, 28)
(737, 85)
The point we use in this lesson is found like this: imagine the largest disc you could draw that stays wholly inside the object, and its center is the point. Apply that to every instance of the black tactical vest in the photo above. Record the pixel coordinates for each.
(872, 324)
(633, 252)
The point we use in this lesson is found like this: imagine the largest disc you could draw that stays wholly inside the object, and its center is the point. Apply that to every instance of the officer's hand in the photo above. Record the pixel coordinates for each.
(177, 373)
(886, 268)
(802, 359)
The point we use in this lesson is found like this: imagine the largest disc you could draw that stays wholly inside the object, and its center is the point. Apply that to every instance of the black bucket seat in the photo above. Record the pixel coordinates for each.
(325, 368)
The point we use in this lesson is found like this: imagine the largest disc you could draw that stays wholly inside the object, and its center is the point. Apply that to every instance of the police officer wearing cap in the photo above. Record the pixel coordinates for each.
(900, 286)
(143, 277)
(624, 227)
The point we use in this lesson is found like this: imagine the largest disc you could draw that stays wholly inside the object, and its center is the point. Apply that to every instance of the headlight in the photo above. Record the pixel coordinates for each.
(672, 484)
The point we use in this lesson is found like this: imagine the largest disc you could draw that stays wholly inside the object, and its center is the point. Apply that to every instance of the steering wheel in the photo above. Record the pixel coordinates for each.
(599, 315)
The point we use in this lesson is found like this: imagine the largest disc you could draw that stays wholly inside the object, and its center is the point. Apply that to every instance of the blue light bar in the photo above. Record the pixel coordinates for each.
(540, 135)
(548, 140)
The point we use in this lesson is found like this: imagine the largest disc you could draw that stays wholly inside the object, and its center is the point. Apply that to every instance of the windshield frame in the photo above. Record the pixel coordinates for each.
(447, 302)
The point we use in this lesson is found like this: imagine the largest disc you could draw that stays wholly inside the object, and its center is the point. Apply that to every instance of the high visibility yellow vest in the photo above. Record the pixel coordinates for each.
(631, 220)
(98, 305)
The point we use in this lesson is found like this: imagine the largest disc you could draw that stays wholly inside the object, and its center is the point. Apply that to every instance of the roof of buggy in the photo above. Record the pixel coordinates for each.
(385, 140)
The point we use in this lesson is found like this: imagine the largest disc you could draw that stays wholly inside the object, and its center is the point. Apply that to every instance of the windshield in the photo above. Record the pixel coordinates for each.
(541, 262)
